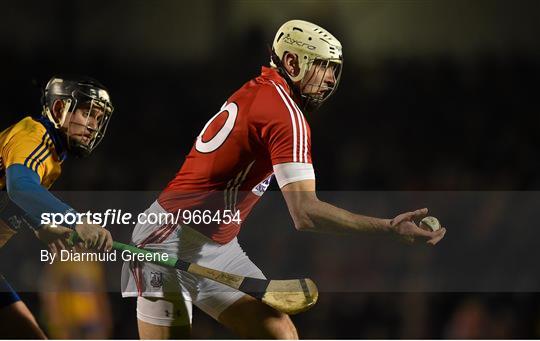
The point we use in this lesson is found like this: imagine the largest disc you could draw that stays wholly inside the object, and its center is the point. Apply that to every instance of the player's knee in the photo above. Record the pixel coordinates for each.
(163, 318)
(281, 327)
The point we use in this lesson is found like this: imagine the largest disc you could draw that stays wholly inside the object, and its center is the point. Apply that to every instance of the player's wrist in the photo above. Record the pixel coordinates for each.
(373, 225)
(386, 225)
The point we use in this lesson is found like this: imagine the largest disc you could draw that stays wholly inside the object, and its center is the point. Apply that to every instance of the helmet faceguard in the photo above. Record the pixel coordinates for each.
(318, 52)
(314, 90)
(86, 112)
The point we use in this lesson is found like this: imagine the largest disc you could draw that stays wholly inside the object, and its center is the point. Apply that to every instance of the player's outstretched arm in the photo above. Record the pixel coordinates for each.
(311, 214)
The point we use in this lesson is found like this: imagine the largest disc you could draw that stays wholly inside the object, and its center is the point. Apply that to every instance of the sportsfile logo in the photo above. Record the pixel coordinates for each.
(119, 217)
(299, 43)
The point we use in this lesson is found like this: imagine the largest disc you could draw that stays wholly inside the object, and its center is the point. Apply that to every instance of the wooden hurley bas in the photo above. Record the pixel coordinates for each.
(290, 296)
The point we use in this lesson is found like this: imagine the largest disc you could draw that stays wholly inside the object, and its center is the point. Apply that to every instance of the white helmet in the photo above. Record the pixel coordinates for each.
(310, 43)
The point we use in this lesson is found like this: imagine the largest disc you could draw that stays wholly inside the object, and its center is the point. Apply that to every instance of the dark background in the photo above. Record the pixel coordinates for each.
(435, 95)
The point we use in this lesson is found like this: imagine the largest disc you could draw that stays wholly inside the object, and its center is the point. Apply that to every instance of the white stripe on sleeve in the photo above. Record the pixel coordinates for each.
(295, 159)
(305, 131)
(290, 172)
(302, 127)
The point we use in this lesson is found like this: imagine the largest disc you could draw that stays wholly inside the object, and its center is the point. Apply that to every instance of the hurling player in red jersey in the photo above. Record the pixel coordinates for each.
(259, 132)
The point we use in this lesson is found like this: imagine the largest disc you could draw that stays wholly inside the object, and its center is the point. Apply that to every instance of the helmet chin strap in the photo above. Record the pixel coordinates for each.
(76, 148)
(79, 150)
(312, 102)
(308, 104)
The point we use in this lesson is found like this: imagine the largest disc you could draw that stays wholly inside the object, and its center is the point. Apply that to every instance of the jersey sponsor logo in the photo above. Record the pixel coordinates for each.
(262, 186)
(219, 138)
(15, 222)
(156, 279)
(13, 215)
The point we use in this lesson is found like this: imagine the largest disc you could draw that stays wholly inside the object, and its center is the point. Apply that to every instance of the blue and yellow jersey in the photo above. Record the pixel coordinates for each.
(31, 144)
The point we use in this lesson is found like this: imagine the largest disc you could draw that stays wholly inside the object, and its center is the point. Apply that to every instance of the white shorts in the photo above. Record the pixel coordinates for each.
(151, 280)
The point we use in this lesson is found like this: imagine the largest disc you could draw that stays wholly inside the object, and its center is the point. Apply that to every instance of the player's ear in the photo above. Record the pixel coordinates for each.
(57, 108)
(290, 62)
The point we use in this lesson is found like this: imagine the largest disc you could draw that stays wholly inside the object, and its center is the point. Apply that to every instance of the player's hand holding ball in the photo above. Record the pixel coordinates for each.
(430, 224)
(430, 229)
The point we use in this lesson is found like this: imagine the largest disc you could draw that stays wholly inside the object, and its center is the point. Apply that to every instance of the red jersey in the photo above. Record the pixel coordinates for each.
(259, 131)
